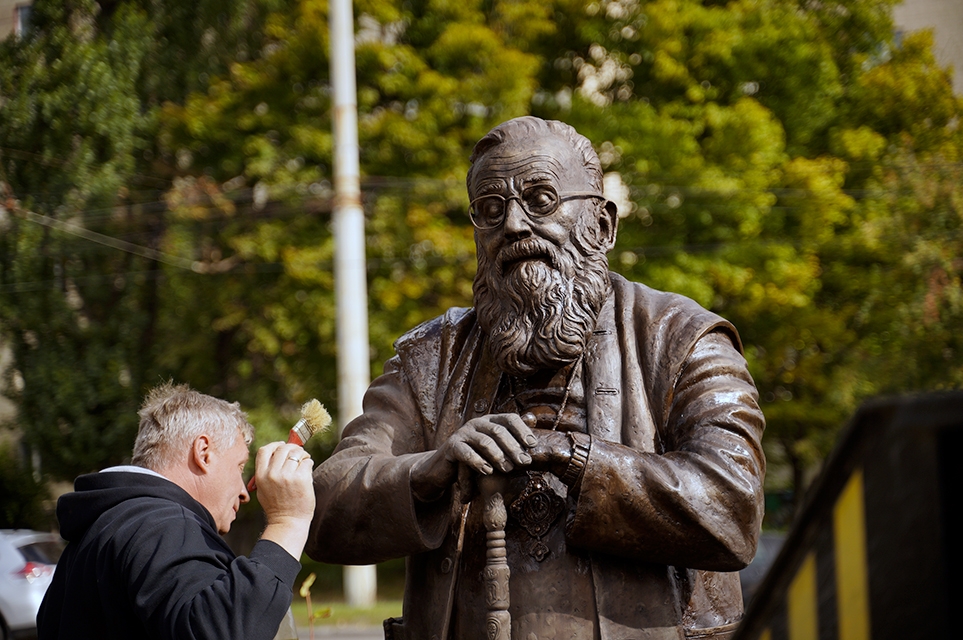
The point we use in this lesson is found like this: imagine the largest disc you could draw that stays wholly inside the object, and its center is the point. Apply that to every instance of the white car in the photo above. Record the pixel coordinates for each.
(27, 561)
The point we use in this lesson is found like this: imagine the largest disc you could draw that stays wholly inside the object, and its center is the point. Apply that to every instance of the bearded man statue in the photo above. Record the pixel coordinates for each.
(620, 422)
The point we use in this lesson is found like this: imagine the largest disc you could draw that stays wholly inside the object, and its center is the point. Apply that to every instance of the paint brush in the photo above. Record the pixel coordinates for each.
(314, 420)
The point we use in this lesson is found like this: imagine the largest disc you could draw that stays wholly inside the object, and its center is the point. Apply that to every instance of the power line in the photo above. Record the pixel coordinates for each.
(108, 241)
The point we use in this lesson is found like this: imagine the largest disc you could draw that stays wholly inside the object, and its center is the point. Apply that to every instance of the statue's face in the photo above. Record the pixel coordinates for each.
(528, 173)
(541, 233)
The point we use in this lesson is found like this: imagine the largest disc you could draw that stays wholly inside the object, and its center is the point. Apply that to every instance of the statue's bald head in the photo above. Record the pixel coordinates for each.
(522, 131)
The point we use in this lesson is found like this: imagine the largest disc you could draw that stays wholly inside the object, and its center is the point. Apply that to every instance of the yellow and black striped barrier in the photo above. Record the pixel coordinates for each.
(874, 552)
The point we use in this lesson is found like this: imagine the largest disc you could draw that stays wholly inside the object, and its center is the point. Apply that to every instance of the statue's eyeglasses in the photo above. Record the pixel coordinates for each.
(538, 201)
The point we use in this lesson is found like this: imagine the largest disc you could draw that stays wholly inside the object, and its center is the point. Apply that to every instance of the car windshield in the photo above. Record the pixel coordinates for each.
(44, 552)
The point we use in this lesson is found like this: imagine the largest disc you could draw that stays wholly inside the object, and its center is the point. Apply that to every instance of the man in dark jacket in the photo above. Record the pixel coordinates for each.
(620, 422)
(144, 557)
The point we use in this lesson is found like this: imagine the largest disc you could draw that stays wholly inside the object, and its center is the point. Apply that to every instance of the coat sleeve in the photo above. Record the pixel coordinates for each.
(365, 511)
(698, 503)
(185, 584)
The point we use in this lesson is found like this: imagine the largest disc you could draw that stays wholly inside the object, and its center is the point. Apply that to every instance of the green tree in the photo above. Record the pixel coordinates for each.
(21, 495)
(82, 229)
(786, 164)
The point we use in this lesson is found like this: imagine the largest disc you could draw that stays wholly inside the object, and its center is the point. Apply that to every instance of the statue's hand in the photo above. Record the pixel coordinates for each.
(552, 452)
(496, 442)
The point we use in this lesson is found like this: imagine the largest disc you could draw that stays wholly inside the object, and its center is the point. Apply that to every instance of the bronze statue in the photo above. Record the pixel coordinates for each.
(577, 456)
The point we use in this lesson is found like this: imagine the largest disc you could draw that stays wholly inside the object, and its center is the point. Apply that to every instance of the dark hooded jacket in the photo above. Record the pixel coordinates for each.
(144, 560)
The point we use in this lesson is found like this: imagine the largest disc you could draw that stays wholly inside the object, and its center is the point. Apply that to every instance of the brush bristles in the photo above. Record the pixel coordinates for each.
(314, 420)
(315, 416)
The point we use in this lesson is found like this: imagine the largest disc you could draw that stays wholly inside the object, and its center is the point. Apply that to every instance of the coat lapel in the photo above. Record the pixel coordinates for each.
(603, 377)
(617, 403)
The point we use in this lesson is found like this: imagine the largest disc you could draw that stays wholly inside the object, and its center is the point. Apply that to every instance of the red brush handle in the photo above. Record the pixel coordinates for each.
(294, 438)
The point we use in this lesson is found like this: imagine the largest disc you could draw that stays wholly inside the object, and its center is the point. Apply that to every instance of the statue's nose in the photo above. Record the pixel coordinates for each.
(516, 220)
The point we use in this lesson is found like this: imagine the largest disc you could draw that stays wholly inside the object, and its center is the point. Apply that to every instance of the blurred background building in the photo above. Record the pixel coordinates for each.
(7, 409)
(945, 18)
(14, 16)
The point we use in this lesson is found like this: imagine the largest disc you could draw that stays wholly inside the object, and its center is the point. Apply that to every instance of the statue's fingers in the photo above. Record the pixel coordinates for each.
(467, 455)
(520, 430)
(508, 446)
(494, 443)
(519, 426)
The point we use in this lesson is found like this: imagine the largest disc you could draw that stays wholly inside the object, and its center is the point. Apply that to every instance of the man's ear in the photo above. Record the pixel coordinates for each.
(608, 224)
(202, 451)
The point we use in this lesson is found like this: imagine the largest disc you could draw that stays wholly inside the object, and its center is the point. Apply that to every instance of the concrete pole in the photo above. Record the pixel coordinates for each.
(351, 288)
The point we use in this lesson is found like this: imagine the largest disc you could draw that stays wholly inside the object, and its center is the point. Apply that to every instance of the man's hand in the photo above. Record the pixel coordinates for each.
(496, 442)
(286, 493)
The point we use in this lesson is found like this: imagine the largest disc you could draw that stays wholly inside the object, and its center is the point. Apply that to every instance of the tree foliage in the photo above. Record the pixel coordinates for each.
(23, 494)
(82, 289)
(784, 163)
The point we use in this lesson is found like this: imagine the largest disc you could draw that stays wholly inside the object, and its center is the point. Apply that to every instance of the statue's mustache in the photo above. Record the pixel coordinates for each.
(528, 249)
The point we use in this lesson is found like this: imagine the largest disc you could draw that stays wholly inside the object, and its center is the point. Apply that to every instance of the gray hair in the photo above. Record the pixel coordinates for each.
(172, 416)
(532, 127)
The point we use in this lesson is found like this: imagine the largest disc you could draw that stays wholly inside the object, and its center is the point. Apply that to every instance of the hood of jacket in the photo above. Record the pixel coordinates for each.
(96, 493)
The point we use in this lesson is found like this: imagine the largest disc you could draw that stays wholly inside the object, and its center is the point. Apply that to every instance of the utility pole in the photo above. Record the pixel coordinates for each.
(351, 287)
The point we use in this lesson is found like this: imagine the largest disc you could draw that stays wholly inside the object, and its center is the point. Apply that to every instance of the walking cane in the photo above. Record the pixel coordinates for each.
(499, 619)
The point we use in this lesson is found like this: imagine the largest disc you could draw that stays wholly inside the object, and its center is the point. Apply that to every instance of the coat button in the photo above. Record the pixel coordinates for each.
(480, 406)
(446, 565)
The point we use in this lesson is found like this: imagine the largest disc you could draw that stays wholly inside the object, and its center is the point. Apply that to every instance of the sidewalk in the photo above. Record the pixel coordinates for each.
(342, 633)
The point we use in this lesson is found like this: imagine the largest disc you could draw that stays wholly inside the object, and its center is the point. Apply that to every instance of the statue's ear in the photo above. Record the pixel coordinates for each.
(608, 224)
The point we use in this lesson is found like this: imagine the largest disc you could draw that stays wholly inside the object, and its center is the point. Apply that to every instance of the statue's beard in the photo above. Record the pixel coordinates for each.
(538, 312)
